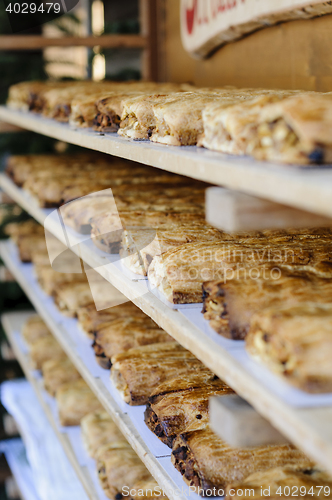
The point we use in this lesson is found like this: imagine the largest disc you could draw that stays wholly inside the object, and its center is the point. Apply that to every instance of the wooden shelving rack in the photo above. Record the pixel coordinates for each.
(307, 428)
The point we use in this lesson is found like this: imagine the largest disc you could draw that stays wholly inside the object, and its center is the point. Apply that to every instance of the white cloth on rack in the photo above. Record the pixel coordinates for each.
(54, 476)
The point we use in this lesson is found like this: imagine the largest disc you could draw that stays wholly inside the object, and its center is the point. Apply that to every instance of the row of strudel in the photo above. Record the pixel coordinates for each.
(279, 125)
(54, 179)
(60, 377)
(180, 273)
(176, 387)
(118, 466)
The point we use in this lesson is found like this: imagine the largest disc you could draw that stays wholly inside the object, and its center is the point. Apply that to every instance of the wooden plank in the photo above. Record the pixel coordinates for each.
(305, 188)
(12, 322)
(33, 42)
(234, 211)
(310, 428)
(239, 424)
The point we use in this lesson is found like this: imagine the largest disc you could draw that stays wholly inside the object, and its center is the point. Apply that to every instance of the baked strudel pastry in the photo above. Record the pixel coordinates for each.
(294, 130)
(109, 111)
(57, 101)
(182, 404)
(34, 329)
(137, 119)
(57, 372)
(71, 296)
(75, 400)
(140, 246)
(111, 108)
(178, 120)
(91, 320)
(26, 228)
(295, 342)
(28, 244)
(179, 273)
(137, 372)
(119, 468)
(311, 482)
(43, 349)
(207, 462)
(123, 334)
(20, 167)
(230, 305)
(98, 429)
(28, 96)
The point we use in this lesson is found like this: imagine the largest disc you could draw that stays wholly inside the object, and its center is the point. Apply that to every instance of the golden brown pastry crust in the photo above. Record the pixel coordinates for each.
(147, 489)
(98, 429)
(28, 96)
(229, 306)
(278, 481)
(71, 296)
(43, 349)
(294, 130)
(119, 467)
(57, 372)
(34, 329)
(229, 121)
(28, 244)
(179, 273)
(20, 167)
(92, 320)
(50, 280)
(25, 228)
(75, 400)
(178, 119)
(206, 462)
(140, 246)
(57, 101)
(182, 404)
(296, 343)
(111, 108)
(126, 333)
(137, 372)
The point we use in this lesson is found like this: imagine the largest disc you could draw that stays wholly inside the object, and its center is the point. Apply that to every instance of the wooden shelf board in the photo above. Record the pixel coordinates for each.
(33, 42)
(10, 321)
(309, 429)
